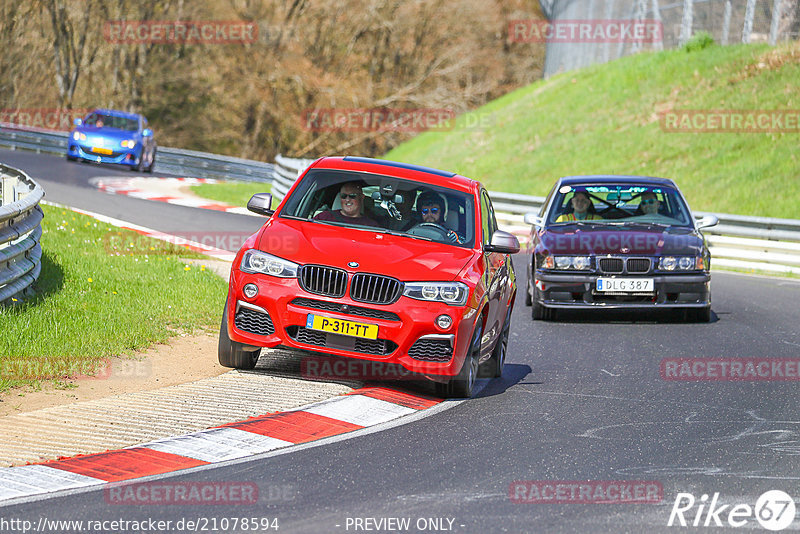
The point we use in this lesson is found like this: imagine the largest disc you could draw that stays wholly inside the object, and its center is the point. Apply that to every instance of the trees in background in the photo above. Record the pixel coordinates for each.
(249, 99)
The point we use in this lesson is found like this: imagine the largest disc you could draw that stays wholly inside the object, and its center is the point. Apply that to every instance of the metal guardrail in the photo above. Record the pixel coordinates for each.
(20, 233)
(169, 160)
(738, 241)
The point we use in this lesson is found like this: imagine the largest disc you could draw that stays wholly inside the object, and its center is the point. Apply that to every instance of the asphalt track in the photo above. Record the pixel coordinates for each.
(582, 399)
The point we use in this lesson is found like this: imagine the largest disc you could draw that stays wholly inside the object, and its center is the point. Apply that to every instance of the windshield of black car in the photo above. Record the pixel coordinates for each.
(609, 204)
(387, 203)
(99, 120)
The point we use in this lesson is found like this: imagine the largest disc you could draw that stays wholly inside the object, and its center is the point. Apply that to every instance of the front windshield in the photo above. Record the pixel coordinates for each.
(393, 205)
(618, 204)
(100, 120)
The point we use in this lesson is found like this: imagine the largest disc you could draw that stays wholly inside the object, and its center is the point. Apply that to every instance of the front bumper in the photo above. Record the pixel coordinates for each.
(576, 291)
(120, 156)
(407, 332)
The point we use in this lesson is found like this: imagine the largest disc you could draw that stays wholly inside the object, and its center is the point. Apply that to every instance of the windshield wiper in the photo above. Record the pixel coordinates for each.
(644, 223)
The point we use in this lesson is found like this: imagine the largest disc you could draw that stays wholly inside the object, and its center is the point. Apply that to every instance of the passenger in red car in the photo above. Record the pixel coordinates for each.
(352, 200)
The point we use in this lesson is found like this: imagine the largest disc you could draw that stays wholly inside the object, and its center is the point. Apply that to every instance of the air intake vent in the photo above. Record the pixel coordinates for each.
(322, 280)
(254, 322)
(431, 350)
(378, 347)
(375, 289)
(345, 308)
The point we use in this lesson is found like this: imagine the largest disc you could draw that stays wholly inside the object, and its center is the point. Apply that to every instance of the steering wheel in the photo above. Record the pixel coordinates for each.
(444, 233)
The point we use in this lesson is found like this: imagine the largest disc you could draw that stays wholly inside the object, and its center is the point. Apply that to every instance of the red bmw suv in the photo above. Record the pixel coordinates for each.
(380, 261)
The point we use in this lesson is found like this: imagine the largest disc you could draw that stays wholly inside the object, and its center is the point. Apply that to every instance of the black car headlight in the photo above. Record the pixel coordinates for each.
(681, 263)
(454, 293)
(255, 261)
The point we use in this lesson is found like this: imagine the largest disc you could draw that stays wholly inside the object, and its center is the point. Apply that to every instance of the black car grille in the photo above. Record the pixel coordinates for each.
(375, 289)
(616, 265)
(345, 309)
(323, 280)
(610, 265)
(431, 350)
(638, 265)
(378, 347)
(254, 322)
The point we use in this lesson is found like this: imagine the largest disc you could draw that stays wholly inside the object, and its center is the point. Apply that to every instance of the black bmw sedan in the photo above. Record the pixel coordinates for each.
(617, 242)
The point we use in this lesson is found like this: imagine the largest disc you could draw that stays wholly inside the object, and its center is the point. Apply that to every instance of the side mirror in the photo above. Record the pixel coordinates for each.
(503, 242)
(261, 203)
(707, 221)
(147, 132)
(533, 219)
(78, 122)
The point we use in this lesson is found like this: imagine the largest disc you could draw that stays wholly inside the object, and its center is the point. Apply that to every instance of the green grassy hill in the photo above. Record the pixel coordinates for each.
(605, 119)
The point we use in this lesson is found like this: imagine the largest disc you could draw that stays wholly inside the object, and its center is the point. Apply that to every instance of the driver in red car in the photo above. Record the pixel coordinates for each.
(352, 201)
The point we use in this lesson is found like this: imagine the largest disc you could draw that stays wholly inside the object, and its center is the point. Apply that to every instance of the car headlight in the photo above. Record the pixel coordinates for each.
(454, 293)
(681, 263)
(579, 263)
(255, 261)
(128, 143)
(78, 136)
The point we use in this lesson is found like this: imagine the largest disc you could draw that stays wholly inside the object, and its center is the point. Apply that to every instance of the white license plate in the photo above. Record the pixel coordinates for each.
(625, 285)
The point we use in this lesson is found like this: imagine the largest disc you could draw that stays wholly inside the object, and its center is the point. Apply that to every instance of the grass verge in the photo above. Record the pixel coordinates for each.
(102, 292)
(606, 119)
(231, 193)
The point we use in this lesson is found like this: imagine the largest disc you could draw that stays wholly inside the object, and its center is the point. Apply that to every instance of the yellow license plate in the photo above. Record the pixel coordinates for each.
(338, 326)
(99, 150)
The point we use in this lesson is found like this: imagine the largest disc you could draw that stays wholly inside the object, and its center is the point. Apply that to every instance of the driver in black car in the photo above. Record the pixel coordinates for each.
(431, 211)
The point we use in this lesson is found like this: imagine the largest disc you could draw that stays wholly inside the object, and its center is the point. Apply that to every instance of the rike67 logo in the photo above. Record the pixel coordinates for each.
(774, 510)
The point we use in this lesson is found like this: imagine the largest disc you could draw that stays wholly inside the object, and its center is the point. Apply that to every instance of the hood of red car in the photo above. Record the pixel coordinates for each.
(645, 239)
(400, 257)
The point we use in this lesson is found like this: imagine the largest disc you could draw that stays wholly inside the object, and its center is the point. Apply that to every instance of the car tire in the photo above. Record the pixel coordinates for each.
(538, 310)
(152, 163)
(71, 158)
(496, 363)
(231, 353)
(463, 384)
(528, 298)
(139, 167)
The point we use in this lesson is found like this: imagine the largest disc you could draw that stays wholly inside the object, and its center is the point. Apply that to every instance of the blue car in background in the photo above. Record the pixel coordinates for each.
(110, 136)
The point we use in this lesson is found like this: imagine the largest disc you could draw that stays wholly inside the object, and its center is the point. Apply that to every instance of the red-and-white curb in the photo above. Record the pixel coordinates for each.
(164, 190)
(362, 408)
(208, 250)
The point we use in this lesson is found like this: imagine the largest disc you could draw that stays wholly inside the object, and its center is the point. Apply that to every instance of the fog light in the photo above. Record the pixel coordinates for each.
(444, 322)
(250, 290)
